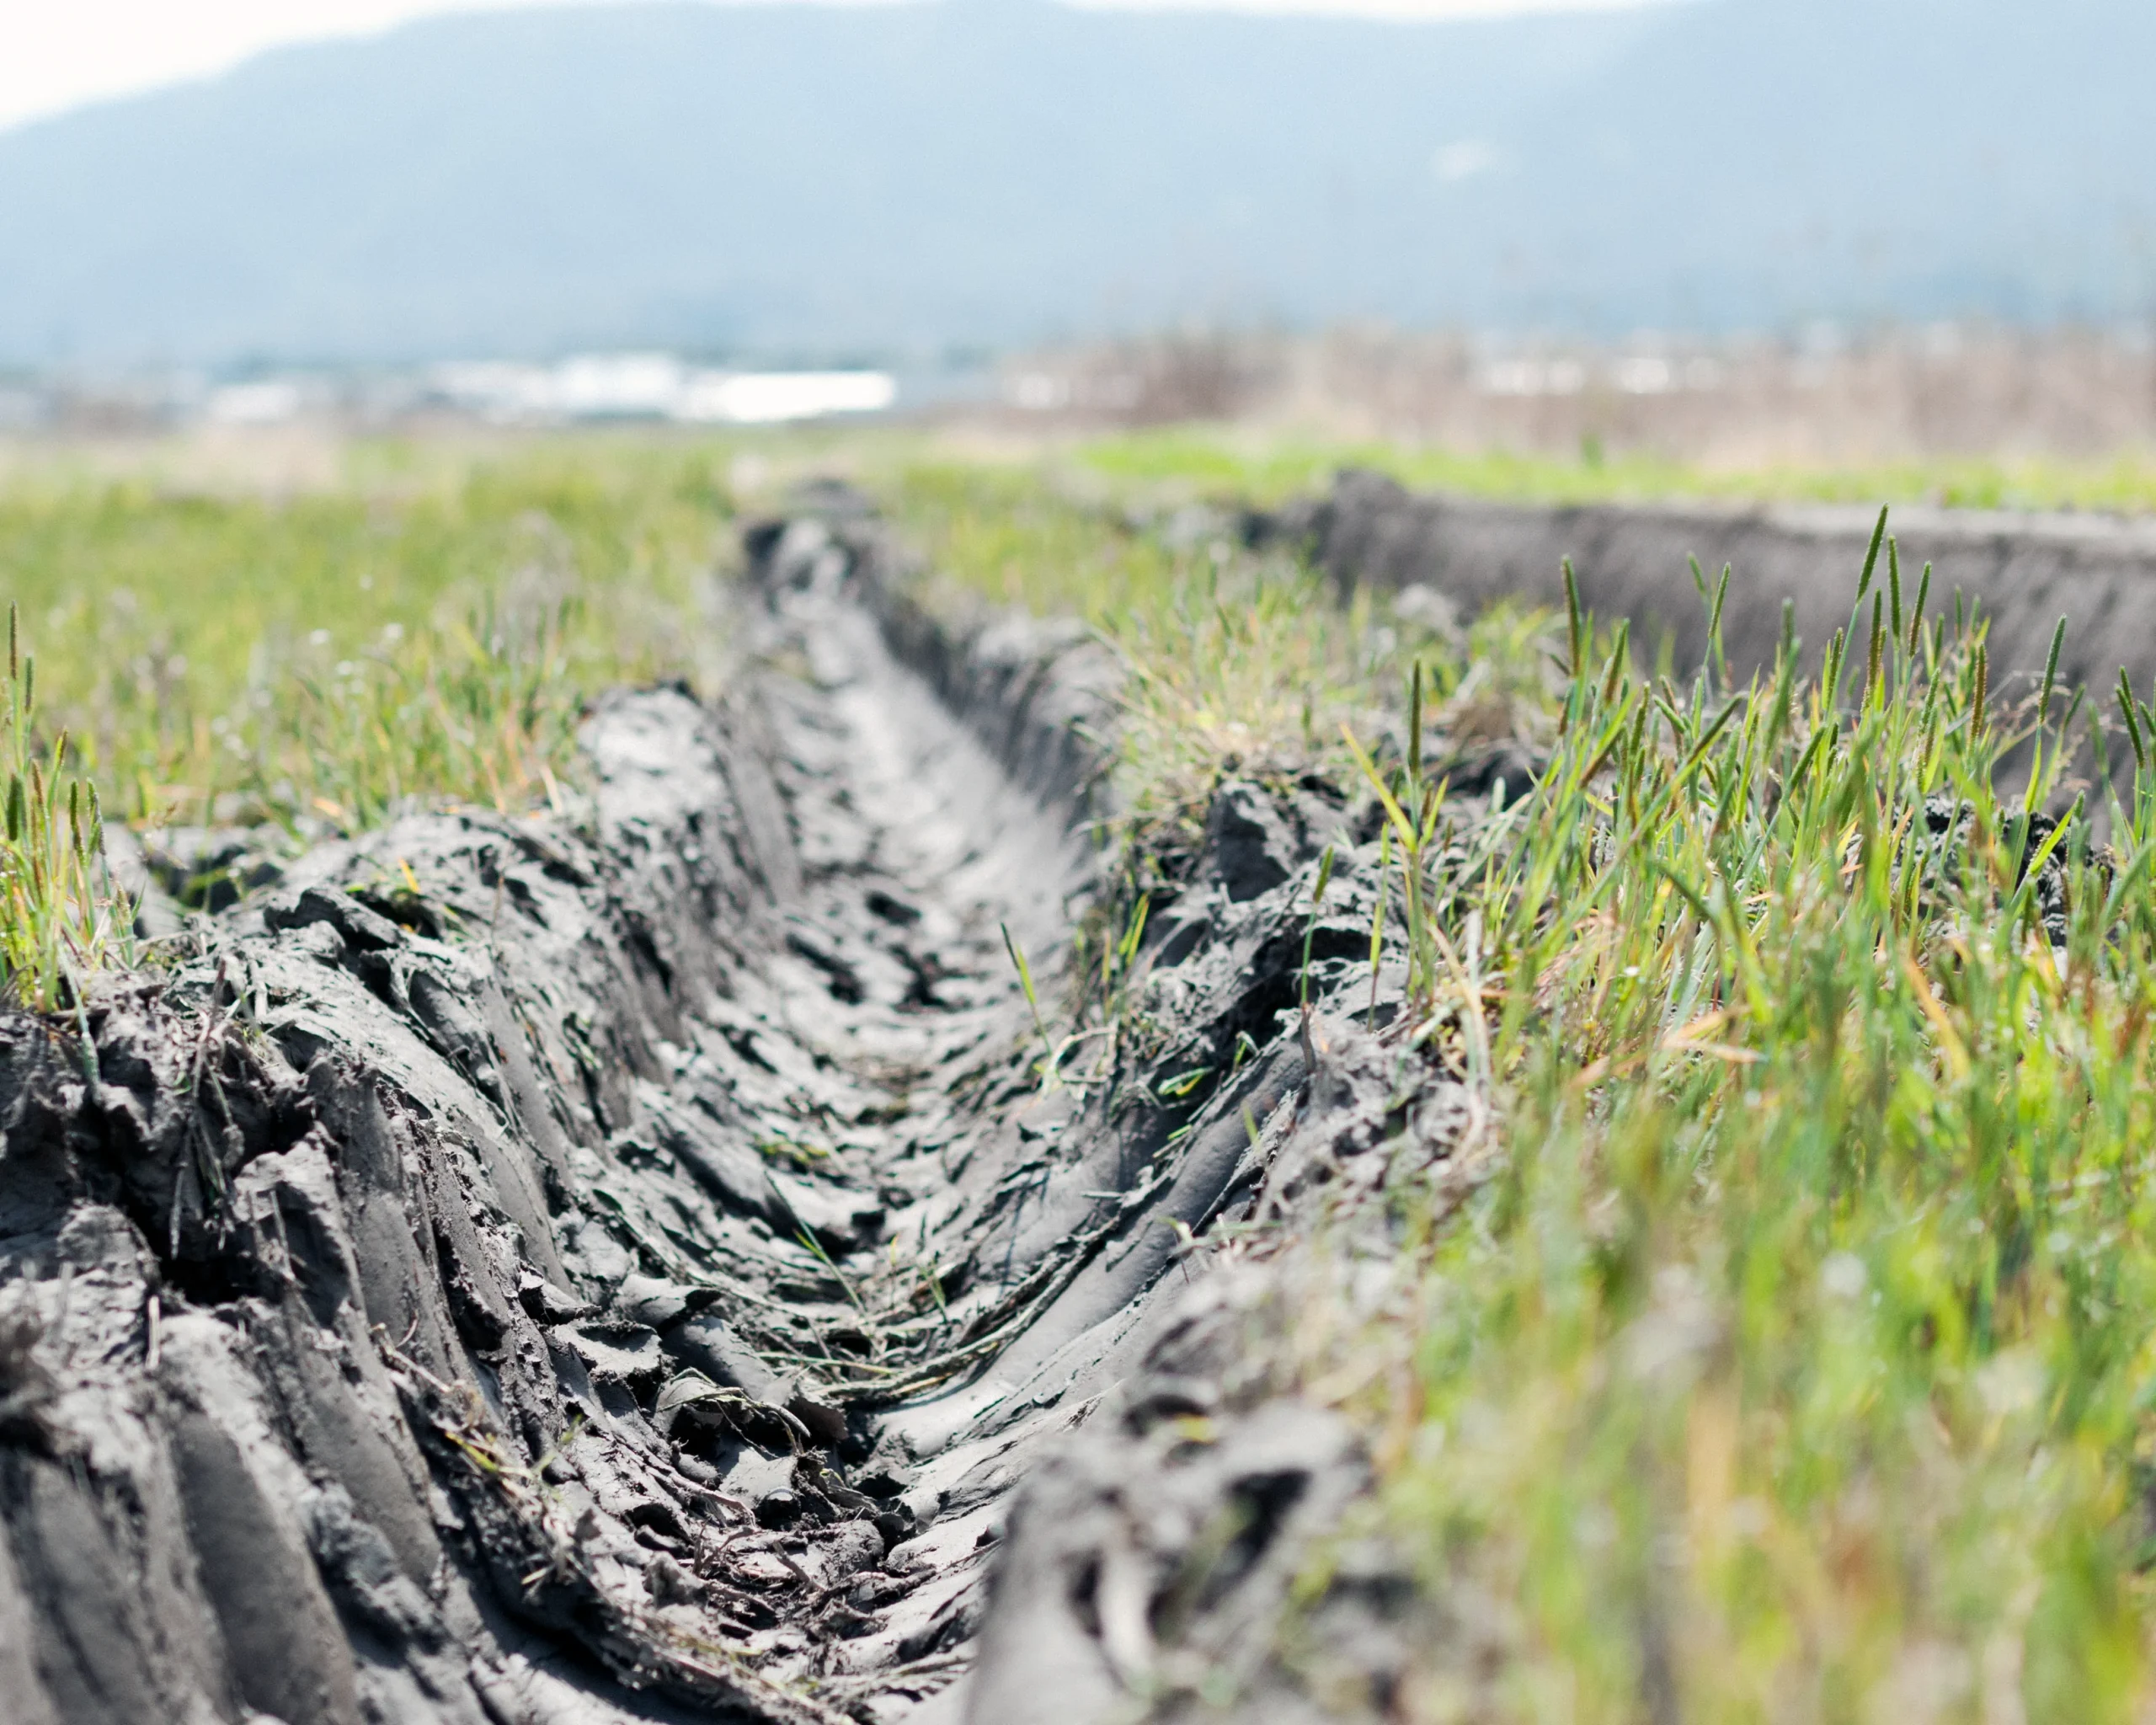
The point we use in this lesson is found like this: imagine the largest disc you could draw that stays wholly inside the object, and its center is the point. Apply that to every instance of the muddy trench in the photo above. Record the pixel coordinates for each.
(629, 1267)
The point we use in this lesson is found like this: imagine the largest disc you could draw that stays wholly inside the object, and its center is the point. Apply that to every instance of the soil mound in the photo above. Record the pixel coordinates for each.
(2024, 571)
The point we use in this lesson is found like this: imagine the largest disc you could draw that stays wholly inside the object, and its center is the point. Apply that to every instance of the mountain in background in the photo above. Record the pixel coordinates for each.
(809, 183)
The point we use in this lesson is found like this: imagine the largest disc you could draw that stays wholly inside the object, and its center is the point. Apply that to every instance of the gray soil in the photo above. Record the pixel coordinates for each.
(522, 1269)
(2024, 572)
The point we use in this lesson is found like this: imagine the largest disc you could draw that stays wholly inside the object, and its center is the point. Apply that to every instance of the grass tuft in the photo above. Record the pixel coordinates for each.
(61, 916)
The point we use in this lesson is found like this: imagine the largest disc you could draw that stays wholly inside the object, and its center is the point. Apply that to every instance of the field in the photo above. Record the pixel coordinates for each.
(1795, 1363)
(1797, 1366)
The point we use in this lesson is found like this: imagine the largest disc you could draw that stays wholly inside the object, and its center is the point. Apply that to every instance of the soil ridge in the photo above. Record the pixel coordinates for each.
(2025, 570)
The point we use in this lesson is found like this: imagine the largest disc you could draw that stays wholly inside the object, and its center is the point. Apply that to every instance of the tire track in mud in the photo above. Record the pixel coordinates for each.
(526, 1270)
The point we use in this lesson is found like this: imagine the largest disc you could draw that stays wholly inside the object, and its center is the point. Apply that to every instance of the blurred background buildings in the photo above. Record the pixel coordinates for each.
(1724, 229)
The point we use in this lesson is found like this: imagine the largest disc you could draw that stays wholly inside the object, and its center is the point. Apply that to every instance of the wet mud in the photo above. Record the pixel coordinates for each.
(629, 1266)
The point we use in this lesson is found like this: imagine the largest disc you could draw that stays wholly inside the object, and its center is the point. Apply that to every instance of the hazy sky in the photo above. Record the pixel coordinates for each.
(56, 53)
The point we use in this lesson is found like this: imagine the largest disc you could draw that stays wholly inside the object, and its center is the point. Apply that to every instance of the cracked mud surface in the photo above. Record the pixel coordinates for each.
(521, 1271)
